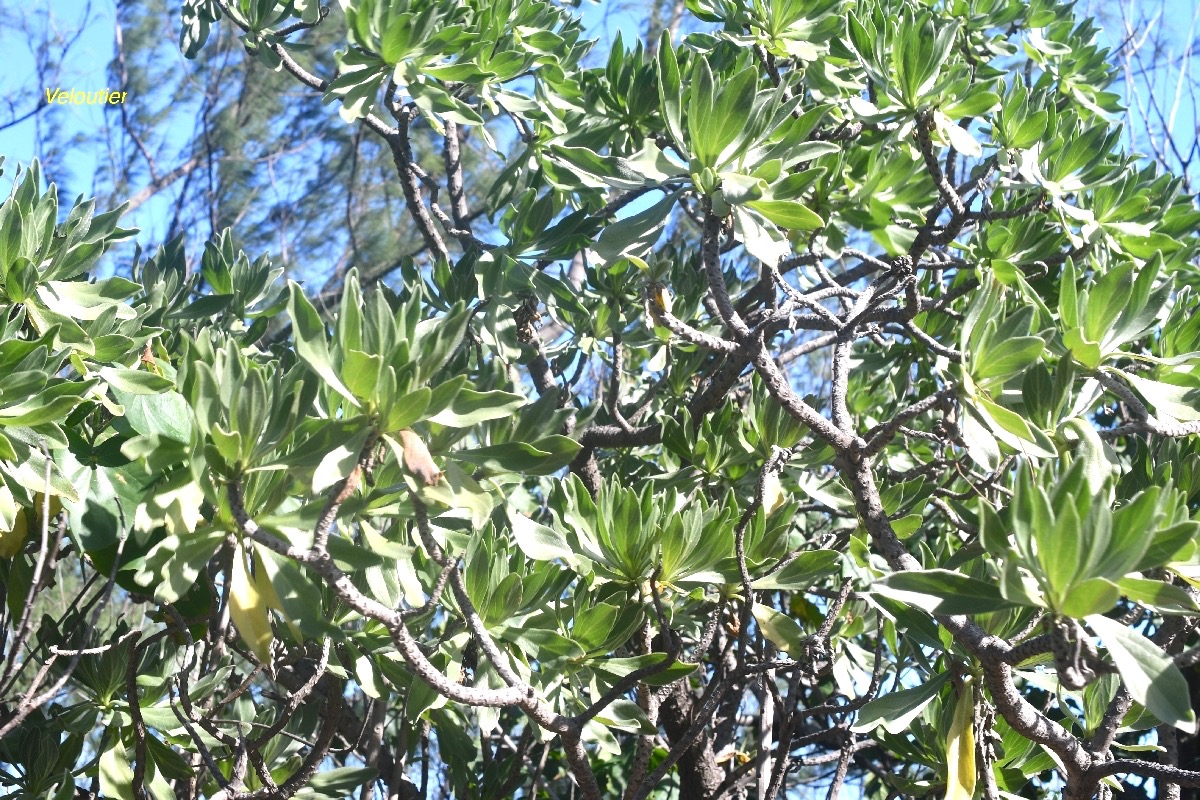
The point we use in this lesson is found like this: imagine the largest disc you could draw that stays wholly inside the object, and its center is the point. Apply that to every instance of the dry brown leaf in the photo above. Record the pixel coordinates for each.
(417, 458)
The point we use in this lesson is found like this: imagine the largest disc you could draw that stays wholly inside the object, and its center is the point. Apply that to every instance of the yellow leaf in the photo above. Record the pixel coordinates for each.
(26, 520)
(662, 298)
(773, 496)
(248, 608)
(12, 541)
(262, 582)
(264, 571)
(960, 747)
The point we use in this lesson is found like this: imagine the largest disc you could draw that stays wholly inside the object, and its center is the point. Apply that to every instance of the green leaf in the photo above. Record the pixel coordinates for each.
(992, 533)
(51, 404)
(82, 300)
(339, 462)
(203, 307)
(459, 490)
(594, 628)
(1068, 297)
(761, 240)
(167, 414)
(116, 774)
(635, 234)
(539, 458)
(625, 715)
(337, 783)
(436, 102)
(788, 214)
(1170, 544)
(1091, 450)
(546, 646)
(670, 90)
(362, 372)
(1017, 588)
(941, 591)
(1059, 549)
(350, 557)
(727, 127)
(599, 170)
(136, 381)
(1092, 596)
(311, 344)
(972, 105)
(407, 410)
(470, 408)
(539, 542)
(1163, 597)
(708, 132)
(1107, 300)
(298, 596)
(959, 138)
(895, 711)
(172, 566)
(1149, 674)
(1012, 429)
(977, 435)
(1085, 352)
(739, 189)
(795, 185)
(801, 573)
(620, 667)
(781, 630)
(1179, 402)
(1007, 358)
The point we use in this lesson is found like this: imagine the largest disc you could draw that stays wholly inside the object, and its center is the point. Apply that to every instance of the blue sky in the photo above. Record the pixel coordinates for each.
(86, 69)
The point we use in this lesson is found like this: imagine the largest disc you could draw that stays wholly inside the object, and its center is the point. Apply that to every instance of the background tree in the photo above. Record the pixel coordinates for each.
(564, 511)
(1155, 56)
(218, 140)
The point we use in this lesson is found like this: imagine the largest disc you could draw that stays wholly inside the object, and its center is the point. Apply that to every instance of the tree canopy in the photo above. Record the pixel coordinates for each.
(807, 403)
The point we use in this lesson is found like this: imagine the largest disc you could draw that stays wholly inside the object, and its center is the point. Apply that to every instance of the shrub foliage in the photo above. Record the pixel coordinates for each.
(812, 401)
